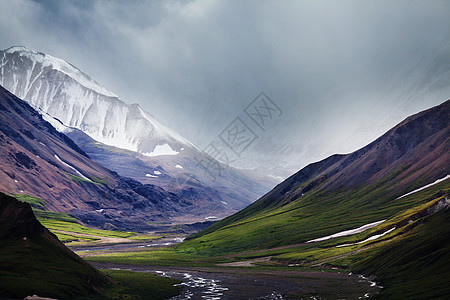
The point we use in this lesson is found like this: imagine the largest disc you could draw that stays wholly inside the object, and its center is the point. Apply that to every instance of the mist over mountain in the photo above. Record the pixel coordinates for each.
(41, 162)
(196, 65)
(382, 211)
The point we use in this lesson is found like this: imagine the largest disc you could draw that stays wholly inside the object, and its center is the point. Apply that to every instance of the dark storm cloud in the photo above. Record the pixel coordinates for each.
(339, 69)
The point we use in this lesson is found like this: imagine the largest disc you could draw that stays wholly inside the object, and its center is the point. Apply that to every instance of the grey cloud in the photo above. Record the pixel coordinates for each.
(340, 70)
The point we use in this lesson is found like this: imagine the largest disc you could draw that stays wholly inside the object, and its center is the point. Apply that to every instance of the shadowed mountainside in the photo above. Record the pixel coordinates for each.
(34, 261)
(415, 266)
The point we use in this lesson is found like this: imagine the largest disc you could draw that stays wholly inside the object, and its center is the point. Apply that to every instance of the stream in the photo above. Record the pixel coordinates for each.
(196, 287)
(230, 283)
(211, 286)
(219, 284)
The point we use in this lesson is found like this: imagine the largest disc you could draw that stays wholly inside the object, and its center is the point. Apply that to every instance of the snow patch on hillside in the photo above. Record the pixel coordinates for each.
(161, 150)
(373, 237)
(424, 187)
(72, 168)
(59, 126)
(347, 232)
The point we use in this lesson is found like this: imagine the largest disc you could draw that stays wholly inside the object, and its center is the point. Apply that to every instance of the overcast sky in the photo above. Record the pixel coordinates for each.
(341, 72)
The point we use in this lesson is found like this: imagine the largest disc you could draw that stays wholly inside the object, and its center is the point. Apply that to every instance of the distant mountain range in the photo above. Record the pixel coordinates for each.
(126, 139)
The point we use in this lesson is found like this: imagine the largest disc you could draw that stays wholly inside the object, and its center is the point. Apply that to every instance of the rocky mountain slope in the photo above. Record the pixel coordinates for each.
(222, 190)
(33, 261)
(39, 161)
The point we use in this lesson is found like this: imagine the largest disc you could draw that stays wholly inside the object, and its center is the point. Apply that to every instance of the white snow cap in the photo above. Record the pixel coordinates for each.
(62, 66)
(77, 101)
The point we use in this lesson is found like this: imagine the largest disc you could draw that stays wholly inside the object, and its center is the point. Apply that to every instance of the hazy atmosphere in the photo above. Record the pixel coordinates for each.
(338, 74)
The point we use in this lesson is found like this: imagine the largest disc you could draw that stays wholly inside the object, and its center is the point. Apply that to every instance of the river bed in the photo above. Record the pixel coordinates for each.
(131, 246)
(245, 283)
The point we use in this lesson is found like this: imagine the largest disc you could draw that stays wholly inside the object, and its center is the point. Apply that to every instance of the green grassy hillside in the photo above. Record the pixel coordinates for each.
(311, 216)
(341, 192)
(410, 260)
(408, 251)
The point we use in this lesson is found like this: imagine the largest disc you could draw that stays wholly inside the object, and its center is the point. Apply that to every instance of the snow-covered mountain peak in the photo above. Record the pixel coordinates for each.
(17, 49)
(64, 92)
(54, 63)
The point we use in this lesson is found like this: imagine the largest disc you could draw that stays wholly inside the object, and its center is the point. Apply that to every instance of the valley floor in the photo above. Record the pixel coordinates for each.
(257, 283)
(401, 250)
(224, 278)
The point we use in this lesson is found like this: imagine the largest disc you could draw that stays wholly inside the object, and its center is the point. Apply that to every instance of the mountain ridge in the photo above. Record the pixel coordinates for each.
(410, 155)
(345, 160)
